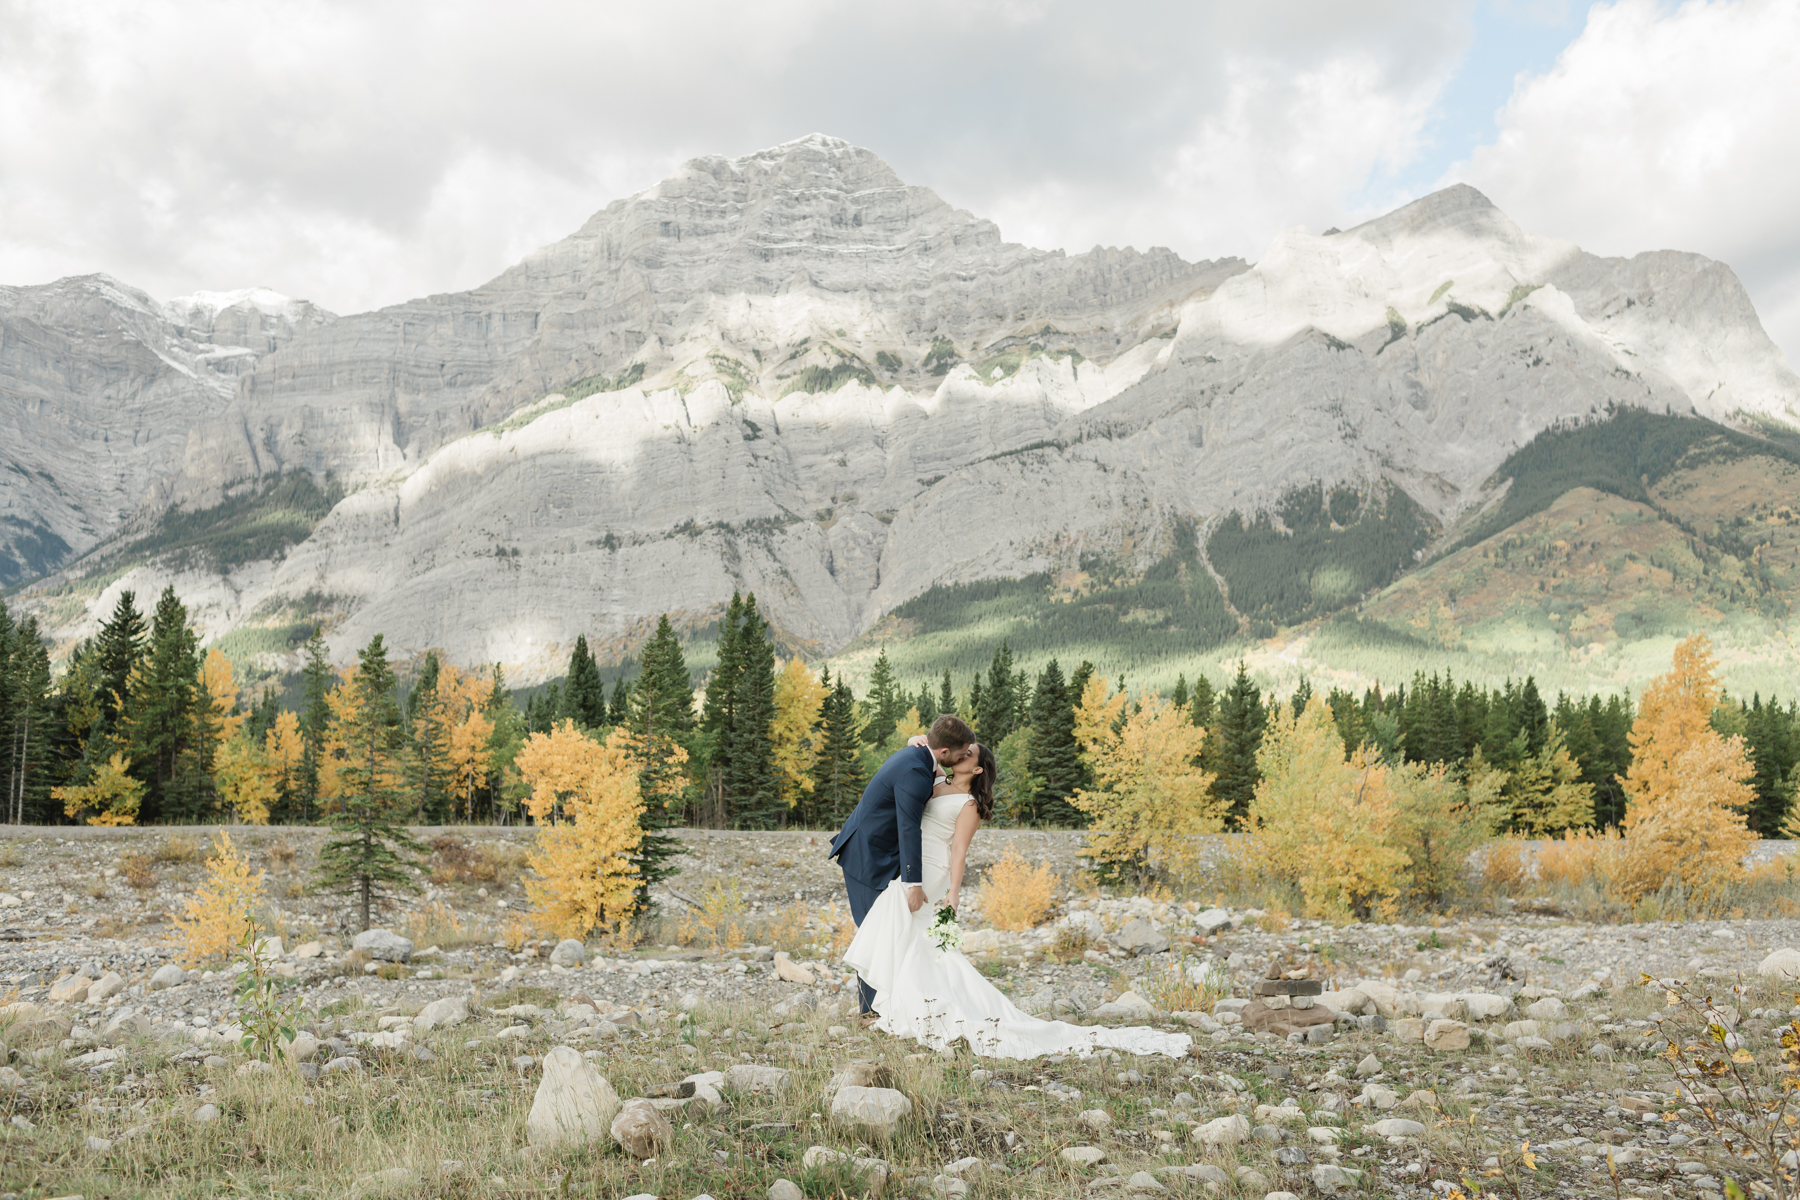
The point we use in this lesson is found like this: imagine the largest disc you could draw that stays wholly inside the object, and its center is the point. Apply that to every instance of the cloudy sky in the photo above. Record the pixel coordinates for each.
(358, 154)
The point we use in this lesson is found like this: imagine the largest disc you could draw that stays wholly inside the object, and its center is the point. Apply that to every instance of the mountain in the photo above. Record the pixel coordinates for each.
(796, 374)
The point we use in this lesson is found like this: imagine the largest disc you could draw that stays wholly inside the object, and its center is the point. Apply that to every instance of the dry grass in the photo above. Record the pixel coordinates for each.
(438, 925)
(1577, 876)
(457, 861)
(1185, 985)
(10, 855)
(178, 848)
(1016, 895)
(138, 870)
(280, 852)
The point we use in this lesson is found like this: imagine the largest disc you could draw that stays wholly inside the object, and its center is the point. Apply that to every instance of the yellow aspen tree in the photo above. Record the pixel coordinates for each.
(111, 797)
(285, 747)
(220, 695)
(343, 713)
(1328, 824)
(246, 780)
(794, 732)
(1150, 802)
(216, 917)
(586, 877)
(1687, 793)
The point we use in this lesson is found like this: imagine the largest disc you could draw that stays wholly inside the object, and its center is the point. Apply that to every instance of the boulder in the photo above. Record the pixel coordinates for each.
(754, 1080)
(384, 945)
(1138, 936)
(569, 953)
(1222, 1131)
(874, 1170)
(304, 1048)
(1485, 1006)
(1781, 967)
(860, 1073)
(641, 1130)
(1213, 920)
(442, 1014)
(71, 989)
(105, 987)
(1547, 1009)
(1083, 1156)
(574, 1104)
(308, 950)
(167, 976)
(1397, 1127)
(877, 1110)
(981, 941)
(793, 972)
(1094, 1120)
(1384, 996)
(1407, 1029)
(1258, 1017)
(1129, 1006)
(1350, 1000)
(1447, 1035)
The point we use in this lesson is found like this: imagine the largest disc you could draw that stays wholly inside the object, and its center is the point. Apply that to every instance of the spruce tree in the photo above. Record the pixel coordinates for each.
(1178, 698)
(119, 647)
(25, 721)
(161, 716)
(883, 701)
(371, 855)
(314, 713)
(429, 762)
(837, 772)
(926, 704)
(621, 699)
(584, 693)
(946, 695)
(1055, 756)
(717, 712)
(1232, 752)
(659, 721)
(752, 789)
(1202, 704)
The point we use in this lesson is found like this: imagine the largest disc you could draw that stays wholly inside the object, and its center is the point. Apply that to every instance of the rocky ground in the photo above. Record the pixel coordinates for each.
(1516, 1053)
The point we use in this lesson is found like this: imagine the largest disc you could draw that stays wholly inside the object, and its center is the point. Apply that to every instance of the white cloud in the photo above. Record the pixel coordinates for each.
(360, 154)
(1666, 128)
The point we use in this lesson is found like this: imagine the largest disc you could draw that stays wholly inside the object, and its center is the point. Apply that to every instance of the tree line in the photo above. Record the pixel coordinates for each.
(145, 726)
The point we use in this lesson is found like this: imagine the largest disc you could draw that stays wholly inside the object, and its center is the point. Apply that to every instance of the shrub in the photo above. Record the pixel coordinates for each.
(1579, 856)
(720, 919)
(111, 797)
(222, 911)
(1070, 944)
(137, 871)
(1184, 986)
(178, 848)
(1438, 823)
(1506, 865)
(1017, 896)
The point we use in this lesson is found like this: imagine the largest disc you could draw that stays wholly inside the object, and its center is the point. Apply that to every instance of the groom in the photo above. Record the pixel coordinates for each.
(880, 841)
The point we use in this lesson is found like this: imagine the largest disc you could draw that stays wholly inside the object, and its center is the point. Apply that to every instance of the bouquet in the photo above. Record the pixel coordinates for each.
(945, 933)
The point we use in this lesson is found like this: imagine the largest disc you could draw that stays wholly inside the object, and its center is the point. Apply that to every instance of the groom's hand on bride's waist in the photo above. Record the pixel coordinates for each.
(915, 897)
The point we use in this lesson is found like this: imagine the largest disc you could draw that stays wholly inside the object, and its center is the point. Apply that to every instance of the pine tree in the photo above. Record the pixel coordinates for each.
(1231, 749)
(1055, 761)
(659, 723)
(1179, 697)
(429, 762)
(314, 714)
(927, 705)
(1202, 705)
(752, 789)
(837, 772)
(25, 725)
(621, 701)
(946, 695)
(998, 714)
(161, 716)
(885, 709)
(119, 647)
(974, 699)
(584, 693)
(371, 856)
(717, 715)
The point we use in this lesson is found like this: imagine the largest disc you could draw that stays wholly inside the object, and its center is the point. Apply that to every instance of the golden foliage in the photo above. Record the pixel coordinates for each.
(1545, 792)
(1579, 855)
(111, 797)
(247, 780)
(137, 870)
(1184, 986)
(1150, 803)
(1506, 865)
(1439, 822)
(720, 920)
(471, 735)
(219, 688)
(1330, 825)
(792, 734)
(285, 748)
(1686, 792)
(221, 912)
(1017, 895)
(586, 878)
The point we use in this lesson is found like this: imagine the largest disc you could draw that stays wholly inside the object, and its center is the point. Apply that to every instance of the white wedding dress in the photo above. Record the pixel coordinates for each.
(938, 997)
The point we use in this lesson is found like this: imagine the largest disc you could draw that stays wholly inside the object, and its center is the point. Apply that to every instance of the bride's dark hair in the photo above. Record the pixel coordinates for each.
(982, 785)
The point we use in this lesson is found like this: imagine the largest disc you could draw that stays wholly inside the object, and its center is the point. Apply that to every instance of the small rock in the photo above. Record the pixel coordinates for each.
(344, 1063)
(1138, 937)
(786, 968)
(879, 1110)
(875, 1170)
(1533, 1043)
(568, 953)
(754, 1080)
(99, 1145)
(1291, 1156)
(1083, 1156)
(1600, 1052)
(1144, 1181)
(785, 1189)
(383, 944)
(860, 1073)
(206, 1114)
(216, 1062)
(1329, 1179)
(391, 1179)
(523, 1063)
(71, 990)
(1547, 1009)
(1250, 1177)
(966, 1168)
(308, 950)
(108, 985)
(642, 1130)
(1379, 1097)
(1368, 1066)
(1094, 1120)
(442, 1014)
(1129, 1006)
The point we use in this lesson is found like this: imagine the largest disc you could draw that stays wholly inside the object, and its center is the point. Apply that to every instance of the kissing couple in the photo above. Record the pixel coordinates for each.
(903, 853)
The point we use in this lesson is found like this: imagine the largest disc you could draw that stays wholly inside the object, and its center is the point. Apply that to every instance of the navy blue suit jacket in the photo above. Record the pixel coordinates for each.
(880, 841)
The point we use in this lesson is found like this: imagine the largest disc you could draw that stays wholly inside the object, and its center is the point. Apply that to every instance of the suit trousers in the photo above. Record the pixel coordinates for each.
(862, 899)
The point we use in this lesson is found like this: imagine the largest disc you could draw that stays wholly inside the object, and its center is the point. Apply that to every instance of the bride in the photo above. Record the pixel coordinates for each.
(937, 996)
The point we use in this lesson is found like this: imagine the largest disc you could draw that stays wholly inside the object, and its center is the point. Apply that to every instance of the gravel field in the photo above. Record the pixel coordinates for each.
(1513, 1052)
